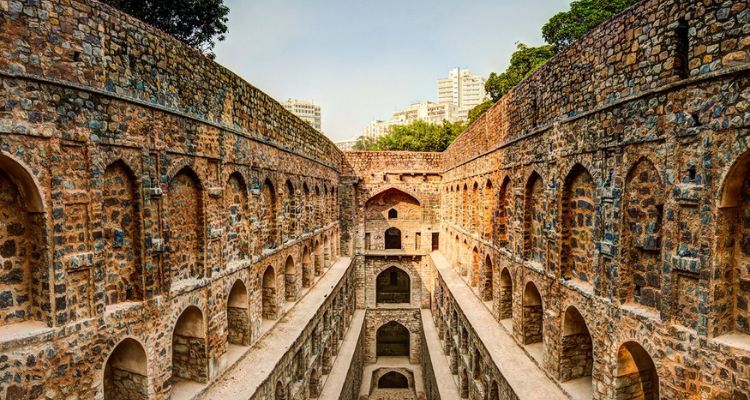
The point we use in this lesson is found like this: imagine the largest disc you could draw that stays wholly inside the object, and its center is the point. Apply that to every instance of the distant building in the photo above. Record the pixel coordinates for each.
(306, 110)
(463, 89)
(378, 128)
(346, 144)
(427, 111)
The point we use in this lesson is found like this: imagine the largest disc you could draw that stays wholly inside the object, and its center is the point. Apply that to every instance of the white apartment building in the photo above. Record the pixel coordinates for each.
(306, 110)
(463, 89)
(427, 111)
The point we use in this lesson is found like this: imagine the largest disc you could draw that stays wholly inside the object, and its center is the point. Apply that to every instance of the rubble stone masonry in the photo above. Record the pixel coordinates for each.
(158, 213)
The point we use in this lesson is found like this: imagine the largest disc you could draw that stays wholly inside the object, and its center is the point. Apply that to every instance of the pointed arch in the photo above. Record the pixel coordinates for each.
(392, 238)
(393, 285)
(475, 261)
(534, 213)
(269, 296)
(238, 315)
(636, 376)
(486, 281)
(236, 206)
(577, 220)
(186, 226)
(533, 315)
(488, 200)
(189, 350)
(307, 268)
(392, 339)
(576, 347)
(505, 301)
(290, 212)
(290, 279)
(502, 214)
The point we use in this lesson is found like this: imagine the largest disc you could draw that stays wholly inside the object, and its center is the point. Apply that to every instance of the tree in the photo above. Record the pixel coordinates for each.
(523, 62)
(364, 143)
(195, 22)
(479, 109)
(566, 27)
(417, 136)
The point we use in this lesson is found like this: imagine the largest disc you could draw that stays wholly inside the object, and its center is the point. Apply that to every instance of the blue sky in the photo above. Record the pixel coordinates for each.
(362, 60)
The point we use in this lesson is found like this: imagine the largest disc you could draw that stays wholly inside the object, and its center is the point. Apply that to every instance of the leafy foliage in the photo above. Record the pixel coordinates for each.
(417, 136)
(479, 109)
(524, 61)
(566, 27)
(196, 22)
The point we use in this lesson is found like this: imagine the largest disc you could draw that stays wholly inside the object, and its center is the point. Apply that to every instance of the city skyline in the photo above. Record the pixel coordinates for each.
(327, 53)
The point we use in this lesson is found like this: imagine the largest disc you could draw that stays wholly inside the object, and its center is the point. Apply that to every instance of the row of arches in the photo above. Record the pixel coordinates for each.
(126, 370)
(634, 375)
(573, 218)
(120, 237)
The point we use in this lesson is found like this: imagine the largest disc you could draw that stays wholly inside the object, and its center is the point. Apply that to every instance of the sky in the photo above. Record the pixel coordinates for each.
(363, 60)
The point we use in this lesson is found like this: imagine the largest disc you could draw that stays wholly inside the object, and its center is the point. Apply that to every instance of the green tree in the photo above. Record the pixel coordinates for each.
(198, 23)
(523, 62)
(479, 109)
(566, 27)
(417, 136)
(364, 143)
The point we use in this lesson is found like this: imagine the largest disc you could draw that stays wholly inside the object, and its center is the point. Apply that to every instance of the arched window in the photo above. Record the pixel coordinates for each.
(393, 286)
(189, 352)
(126, 373)
(393, 380)
(392, 213)
(392, 239)
(392, 339)
(238, 316)
(636, 376)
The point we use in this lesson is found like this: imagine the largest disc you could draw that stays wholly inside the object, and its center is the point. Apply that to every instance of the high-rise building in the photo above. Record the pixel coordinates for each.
(306, 110)
(463, 89)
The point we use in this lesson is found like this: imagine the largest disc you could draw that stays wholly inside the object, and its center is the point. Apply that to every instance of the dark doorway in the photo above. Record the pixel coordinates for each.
(392, 339)
(393, 380)
(393, 286)
(435, 241)
(392, 239)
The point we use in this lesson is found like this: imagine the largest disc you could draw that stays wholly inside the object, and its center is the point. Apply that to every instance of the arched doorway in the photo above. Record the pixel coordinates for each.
(393, 239)
(532, 315)
(126, 372)
(392, 339)
(189, 353)
(269, 294)
(393, 286)
(393, 380)
(576, 347)
(238, 316)
(636, 376)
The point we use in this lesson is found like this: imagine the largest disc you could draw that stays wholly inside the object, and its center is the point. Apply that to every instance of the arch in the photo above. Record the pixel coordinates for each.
(494, 391)
(126, 372)
(270, 308)
(463, 383)
(505, 295)
(392, 339)
(269, 215)
(393, 285)
(533, 219)
(465, 210)
(307, 268)
(392, 238)
(502, 214)
(474, 222)
(314, 384)
(189, 351)
(306, 208)
(392, 213)
(486, 281)
(238, 315)
(326, 252)
(393, 380)
(475, 267)
(290, 212)
(236, 205)
(487, 206)
(576, 347)
(121, 228)
(25, 285)
(318, 258)
(643, 209)
(290, 279)
(577, 219)
(392, 191)
(476, 364)
(279, 393)
(533, 315)
(185, 211)
(636, 376)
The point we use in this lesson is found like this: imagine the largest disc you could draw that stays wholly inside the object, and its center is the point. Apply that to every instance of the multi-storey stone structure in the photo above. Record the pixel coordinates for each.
(168, 231)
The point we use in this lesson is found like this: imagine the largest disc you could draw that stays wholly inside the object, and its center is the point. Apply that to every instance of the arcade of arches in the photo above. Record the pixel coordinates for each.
(167, 236)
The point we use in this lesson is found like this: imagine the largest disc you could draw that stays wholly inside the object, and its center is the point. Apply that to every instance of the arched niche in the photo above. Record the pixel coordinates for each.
(185, 213)
(189, 349)
(126, 372)
(290, 279)
(533, 315)
(238, 315)
(393, 285)
(636, 377)
(392, 340)
(236, 207)
(576, 347)
(577, 219)
(269, 296)
(268, 215)
(393, 380)
(533, 218)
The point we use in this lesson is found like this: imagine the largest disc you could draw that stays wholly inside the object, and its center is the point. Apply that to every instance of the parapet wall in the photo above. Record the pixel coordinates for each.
(89, 45)
(634, 54)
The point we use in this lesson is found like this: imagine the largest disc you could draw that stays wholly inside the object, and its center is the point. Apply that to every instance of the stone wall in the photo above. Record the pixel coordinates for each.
(139, 179)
